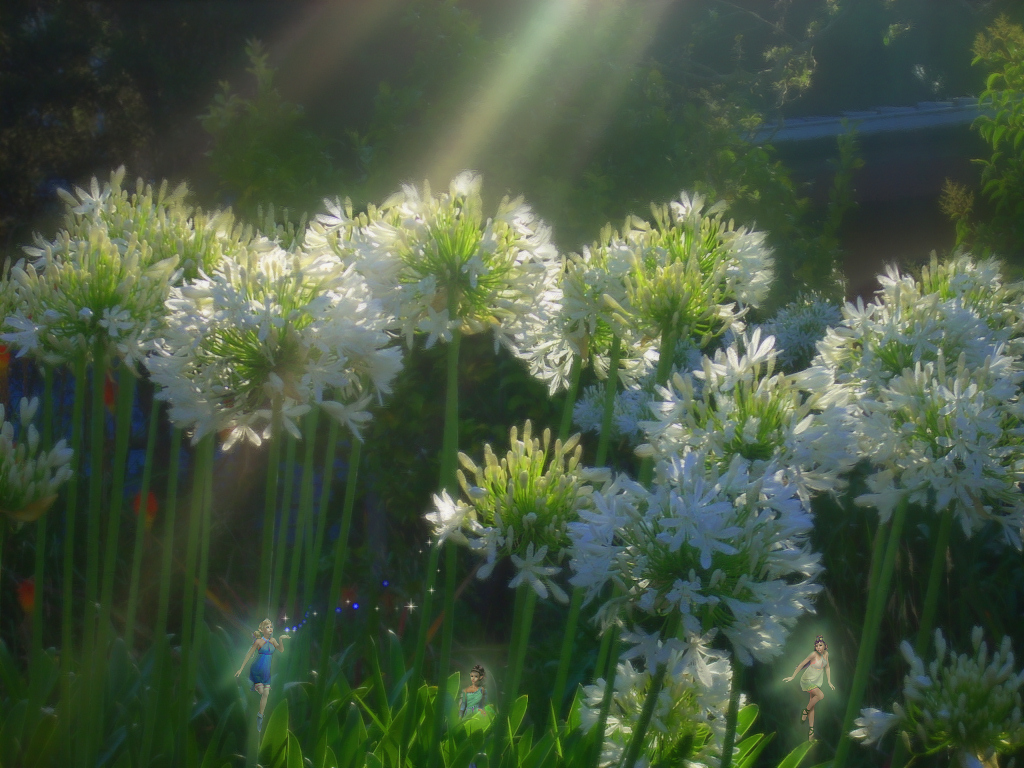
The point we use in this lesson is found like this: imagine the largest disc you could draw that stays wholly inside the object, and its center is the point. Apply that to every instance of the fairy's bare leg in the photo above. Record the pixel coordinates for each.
(263, 698)
(816, 696)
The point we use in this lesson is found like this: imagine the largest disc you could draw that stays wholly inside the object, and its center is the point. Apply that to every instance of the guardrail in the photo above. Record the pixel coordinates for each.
(926, 114)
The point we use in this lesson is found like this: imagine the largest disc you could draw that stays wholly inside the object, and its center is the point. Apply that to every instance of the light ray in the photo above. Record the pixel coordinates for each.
(556, 23)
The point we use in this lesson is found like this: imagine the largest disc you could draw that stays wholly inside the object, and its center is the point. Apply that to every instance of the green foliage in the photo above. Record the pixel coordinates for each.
(1001, 50)
(262, 151)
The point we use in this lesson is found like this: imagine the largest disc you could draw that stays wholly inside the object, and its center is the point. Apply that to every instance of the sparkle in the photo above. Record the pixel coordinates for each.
(411, 606)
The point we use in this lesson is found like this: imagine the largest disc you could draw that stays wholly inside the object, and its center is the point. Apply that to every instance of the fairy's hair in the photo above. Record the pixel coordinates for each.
(820, 637)
(480, 671)
(259, 632)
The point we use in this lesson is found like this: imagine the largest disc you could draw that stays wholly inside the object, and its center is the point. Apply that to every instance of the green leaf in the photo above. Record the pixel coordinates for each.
(10, 675)
(523, 746)
(352, 736)
(399, 675)
(330, 761)
(540, 752)
(42, 741)
(274, 747)
(794, 758)
(515, 717)
(379, 691)
(294, 752)
(320, 752)
(750, 748)
(211, 756)
(11, 733)
(372, 761)
(745, 718)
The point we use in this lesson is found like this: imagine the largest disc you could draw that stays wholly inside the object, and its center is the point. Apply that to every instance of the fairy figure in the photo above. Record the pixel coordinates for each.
(473, 698)
(815, 668)
(263, 645)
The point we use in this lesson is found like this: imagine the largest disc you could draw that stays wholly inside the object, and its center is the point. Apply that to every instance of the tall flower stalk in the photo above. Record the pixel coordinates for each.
(442, 269)
(940, 411)
(519, 506)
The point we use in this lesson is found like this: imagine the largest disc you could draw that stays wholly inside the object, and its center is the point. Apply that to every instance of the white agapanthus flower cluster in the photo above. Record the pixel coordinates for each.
(798, 327)
(721, 549)
(955, 307)
(739, 405)
(946, 435)
(693, 273)
(273, 331)
(938, 394)
(688, 723)
(576, 317)
(448, 265)
(89, 296)
(632, 405)
(159, 218)
(520, 506)
(29, 477)
(968, 704)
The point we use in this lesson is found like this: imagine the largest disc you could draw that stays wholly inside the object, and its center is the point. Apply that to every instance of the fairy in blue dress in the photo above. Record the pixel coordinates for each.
(263, 645)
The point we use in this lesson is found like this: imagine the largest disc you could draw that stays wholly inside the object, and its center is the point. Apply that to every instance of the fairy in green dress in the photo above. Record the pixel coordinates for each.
(473, 698)
(815, 668)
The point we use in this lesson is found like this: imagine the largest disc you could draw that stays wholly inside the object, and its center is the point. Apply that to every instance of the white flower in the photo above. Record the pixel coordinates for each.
(936, 394)
(873, 724)
(738, 405)
(731, 548)
(89, 296)
(273, 332)
(968, 704)
(447, 518)
(29, 477)
(693, 273)
(437, 264)
(797, 329)
(689, 712)
(521, 507)
(530, 569)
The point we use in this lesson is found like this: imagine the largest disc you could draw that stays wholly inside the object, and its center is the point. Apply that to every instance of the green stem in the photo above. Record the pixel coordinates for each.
(96, 435)
(523, 641)
(869, 635)
(207, 451)
(269, 516)
(449, 482)
(195, 524)
(70, 511)
(732, 713)
(122, 432)
(321, 524)
(931, 602)
(441, 703)
(285, 518)
(41, 525)
(570, 398)
(305, 509)
(611, 386)
(3, 531)
(665, 354)
(565, 657)
(141, 522)
(163, 601)
(508, 697)
(337, 571)
(610, 669)
(636, 741)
